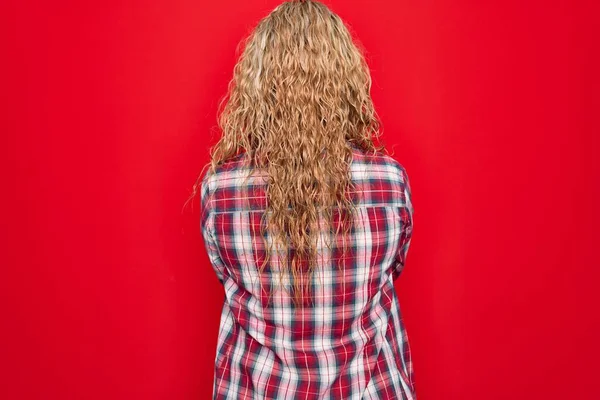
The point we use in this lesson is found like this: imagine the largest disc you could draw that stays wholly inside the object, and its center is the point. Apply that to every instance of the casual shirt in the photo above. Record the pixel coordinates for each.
(350, 342)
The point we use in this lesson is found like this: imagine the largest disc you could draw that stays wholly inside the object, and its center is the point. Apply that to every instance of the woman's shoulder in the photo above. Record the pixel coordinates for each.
(377, 163)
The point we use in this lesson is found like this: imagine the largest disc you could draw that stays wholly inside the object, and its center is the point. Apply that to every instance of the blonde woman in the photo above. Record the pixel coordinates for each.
(306, 220)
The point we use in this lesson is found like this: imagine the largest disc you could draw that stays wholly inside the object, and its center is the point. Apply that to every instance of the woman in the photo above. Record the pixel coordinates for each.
(307, 222)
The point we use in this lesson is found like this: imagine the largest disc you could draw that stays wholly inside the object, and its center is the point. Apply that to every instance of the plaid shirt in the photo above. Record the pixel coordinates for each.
(351, 343)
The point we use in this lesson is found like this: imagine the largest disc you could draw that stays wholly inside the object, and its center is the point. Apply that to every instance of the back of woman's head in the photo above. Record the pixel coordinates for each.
(299, 97)
(301, 83)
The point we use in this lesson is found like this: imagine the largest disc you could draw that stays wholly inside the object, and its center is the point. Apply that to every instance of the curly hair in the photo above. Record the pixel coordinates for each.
(298, 100)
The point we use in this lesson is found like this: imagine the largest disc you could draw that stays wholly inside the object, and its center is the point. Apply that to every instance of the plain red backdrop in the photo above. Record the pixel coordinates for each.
(109, 108)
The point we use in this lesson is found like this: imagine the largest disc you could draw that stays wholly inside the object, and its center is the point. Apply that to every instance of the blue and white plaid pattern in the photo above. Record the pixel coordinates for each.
(350, 343)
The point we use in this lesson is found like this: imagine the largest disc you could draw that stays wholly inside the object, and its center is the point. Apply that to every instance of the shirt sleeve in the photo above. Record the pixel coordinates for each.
(406, 216)
(207, 229)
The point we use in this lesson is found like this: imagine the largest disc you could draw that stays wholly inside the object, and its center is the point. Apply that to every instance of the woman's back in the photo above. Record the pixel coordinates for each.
(349, 341)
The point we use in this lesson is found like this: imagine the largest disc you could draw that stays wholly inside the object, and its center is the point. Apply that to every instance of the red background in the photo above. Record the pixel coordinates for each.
(492, 106)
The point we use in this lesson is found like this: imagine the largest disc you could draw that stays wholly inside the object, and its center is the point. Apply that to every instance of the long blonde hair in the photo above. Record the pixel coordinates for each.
(298, 100)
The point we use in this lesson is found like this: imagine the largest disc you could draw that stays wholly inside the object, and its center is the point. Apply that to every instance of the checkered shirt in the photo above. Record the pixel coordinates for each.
(350, 343)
